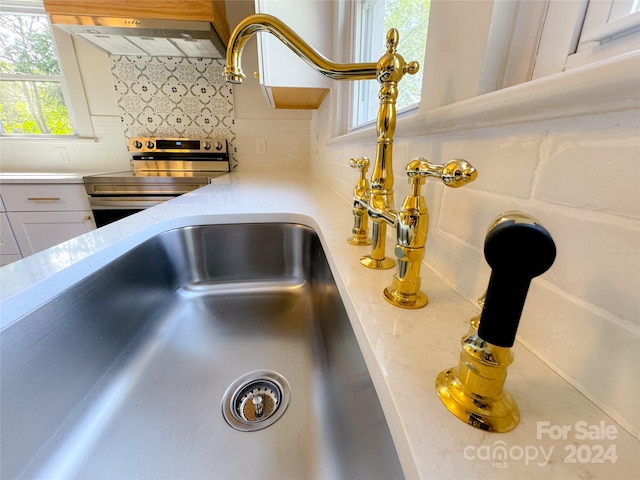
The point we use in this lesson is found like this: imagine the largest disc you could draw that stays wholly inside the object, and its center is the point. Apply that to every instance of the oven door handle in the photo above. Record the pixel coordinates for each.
(125, 203)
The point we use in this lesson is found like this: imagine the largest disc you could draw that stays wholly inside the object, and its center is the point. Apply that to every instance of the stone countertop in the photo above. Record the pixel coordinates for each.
(561, 433)
(40, 178)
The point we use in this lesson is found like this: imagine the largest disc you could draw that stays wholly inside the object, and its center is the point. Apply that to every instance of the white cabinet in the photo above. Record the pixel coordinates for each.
(287, 81)
(36, 231)
(44, 215)
(9, 251)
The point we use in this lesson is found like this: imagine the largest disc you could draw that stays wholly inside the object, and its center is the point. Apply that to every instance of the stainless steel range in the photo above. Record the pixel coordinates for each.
(163, 168)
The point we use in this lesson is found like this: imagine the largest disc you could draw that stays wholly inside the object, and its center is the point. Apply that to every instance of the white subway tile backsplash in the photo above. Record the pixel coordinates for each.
(597, 261)
(596, 354)
(462, 265)
(580, 171)
(284, 153)
(505, 159)
(466, 213)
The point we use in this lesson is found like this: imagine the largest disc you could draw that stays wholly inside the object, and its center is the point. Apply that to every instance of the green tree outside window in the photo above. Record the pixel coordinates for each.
(31, 99)
(411, 18)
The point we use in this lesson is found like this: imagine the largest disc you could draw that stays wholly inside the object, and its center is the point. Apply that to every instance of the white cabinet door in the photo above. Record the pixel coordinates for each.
(36, 231)
(9, 251)
(7, 259)
(8, 244)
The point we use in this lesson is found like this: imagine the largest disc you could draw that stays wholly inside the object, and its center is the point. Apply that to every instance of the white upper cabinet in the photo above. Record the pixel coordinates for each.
(287, 81)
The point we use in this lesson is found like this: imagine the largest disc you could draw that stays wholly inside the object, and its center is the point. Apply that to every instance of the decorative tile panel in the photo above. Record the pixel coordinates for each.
(174, 97)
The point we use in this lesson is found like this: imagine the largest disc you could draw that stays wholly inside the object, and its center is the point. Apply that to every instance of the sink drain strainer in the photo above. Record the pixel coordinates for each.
(256, 400)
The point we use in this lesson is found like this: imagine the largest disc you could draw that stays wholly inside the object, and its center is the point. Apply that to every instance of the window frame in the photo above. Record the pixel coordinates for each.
(578, 33)
(70, 78)
(364, 52)
(604, 86)
(602, 37)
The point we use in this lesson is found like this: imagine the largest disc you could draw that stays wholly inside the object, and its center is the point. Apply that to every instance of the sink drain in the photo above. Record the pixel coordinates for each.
(256, 400)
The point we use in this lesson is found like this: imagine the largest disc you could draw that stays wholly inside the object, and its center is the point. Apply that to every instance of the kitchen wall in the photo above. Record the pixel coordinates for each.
(579, 177)
(106, 152)
(285, 134)
(265, 139)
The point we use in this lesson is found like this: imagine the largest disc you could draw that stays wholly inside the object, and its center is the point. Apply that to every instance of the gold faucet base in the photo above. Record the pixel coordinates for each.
(405, 300)
(358, 240)
(384, 264)
(498, 414)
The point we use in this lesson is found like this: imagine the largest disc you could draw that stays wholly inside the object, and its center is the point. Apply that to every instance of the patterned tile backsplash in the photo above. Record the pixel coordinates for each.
(174, 97)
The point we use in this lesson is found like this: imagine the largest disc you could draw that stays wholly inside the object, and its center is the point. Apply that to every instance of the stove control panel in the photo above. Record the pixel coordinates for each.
(177, 145)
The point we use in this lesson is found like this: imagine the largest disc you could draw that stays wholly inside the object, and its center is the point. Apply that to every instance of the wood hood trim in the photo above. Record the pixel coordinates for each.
(212, 11)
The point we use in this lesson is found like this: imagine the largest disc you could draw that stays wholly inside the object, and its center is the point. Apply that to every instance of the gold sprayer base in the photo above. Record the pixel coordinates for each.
(473, 391)
(499, 414)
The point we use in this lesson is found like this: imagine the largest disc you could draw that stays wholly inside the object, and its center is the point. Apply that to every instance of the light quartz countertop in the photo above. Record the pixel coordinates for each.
(404, 349)
(40, 178)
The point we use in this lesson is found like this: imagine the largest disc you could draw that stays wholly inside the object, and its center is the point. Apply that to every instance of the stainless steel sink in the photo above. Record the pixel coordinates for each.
(123, 375)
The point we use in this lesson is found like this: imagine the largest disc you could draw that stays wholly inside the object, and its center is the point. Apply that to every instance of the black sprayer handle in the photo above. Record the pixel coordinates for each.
(517, 249)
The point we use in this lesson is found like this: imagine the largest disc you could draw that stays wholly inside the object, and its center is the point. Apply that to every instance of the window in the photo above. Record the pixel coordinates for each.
(31, 89)
(372, 19)
(463, 63)
(579, 33)
(610, 28)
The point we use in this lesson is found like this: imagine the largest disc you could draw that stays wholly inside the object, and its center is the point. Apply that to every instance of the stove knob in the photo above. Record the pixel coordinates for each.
(137, 144)
(150, 144)
(207, 146)
(218, 146)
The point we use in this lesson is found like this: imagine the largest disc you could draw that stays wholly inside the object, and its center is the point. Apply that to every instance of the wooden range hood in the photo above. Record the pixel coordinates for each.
(196, 28)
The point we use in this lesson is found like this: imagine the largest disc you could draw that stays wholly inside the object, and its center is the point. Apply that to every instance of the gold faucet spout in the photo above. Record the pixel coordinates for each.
(268, 23)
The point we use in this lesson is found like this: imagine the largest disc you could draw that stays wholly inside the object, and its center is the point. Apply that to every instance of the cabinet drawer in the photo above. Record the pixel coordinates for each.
(45, 197)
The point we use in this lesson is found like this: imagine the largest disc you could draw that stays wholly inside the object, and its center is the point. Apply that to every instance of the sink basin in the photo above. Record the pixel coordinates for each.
(123, 375)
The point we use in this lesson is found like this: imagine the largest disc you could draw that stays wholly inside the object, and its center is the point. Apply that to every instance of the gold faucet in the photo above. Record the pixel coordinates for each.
(375, 199)
(388, 71)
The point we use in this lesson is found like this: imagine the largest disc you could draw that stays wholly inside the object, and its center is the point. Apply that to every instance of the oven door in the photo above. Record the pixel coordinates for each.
(108, 209)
